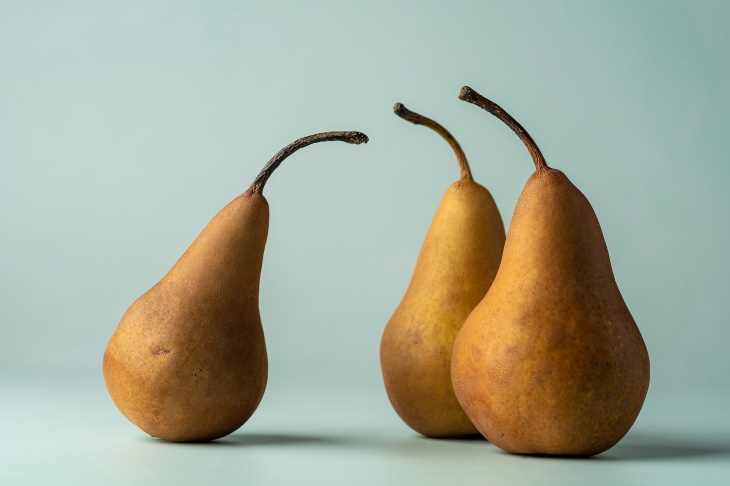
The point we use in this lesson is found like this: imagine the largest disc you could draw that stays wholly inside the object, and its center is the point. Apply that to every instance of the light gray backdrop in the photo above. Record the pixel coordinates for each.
(124, 128)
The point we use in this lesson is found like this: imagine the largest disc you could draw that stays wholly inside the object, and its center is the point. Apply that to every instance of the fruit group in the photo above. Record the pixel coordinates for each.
(551, 361)
(455, 267)
(188, 360)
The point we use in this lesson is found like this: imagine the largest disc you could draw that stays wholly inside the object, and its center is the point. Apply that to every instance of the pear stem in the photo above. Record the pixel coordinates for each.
(417, 119)
(349, 137)
(471, 96)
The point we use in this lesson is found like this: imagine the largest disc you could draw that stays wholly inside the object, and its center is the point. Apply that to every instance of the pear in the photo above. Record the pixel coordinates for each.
(551, 361)
(455, 267)
(188, 360)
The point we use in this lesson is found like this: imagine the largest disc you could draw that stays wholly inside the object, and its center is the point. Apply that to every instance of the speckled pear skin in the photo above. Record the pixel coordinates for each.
(457, 263)
(188, 360)
(551, 361)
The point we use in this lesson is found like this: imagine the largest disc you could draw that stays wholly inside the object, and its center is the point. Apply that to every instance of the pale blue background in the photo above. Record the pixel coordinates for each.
(125, 126)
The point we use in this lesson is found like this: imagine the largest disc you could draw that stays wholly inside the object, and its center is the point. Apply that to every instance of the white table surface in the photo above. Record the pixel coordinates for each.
(63, 431)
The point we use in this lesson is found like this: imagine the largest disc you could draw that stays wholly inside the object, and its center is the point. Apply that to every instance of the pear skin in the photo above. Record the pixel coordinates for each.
(457, 263)
(551, 361)
(188, 360)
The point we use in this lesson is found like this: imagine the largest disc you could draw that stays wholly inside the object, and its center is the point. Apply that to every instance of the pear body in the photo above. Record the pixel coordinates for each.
(188, 360)
(457, 263)
(551, 361)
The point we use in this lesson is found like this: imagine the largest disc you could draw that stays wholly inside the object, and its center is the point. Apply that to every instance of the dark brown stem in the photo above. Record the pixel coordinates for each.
(468, 94)
(417, 119)
(276, 160)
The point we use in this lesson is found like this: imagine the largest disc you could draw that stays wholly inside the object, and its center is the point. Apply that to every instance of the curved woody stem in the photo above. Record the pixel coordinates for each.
(348, 137)
(417, 119)
(471, 96)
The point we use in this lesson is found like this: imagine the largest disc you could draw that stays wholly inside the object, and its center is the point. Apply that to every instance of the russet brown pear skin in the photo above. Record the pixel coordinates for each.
(188, 360)
(457, 263)
(551, 361)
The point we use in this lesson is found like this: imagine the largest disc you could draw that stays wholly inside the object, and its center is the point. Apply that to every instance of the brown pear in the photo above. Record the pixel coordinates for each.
(188, 360)
(551, 361)
(455, 267)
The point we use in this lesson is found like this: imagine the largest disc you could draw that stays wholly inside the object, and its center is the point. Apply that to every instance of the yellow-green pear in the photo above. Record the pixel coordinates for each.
(551, 361)
(457, 263)
(188, 360)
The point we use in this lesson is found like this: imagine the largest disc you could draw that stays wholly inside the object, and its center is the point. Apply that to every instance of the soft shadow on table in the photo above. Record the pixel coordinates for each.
(259, 440)
(652, 447)
(455, 438)
(244, 439)
(658, 447)
(634, 447)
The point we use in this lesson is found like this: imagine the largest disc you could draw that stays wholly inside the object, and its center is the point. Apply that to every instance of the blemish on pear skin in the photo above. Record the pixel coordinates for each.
(162, 352)
(253, 291)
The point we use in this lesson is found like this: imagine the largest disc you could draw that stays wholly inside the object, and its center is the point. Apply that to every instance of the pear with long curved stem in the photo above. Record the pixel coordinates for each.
(551, 361)
(188, 360)
(456, 266)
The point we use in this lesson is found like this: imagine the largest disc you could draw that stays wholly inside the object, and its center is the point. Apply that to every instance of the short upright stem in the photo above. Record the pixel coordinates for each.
(417, 119)
(349, 137)
(468, 94)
